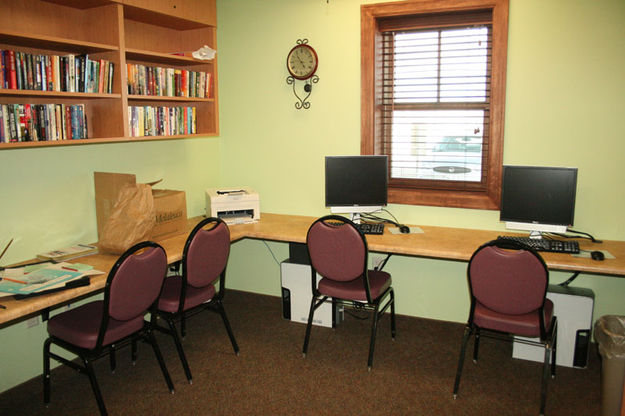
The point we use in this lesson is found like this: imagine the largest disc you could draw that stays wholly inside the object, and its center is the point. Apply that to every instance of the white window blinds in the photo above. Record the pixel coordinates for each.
(435, 104)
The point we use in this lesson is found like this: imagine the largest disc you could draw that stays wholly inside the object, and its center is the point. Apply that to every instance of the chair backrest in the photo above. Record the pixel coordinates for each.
(508, 277)
(135, 281)
(206, 252)
(337, 249)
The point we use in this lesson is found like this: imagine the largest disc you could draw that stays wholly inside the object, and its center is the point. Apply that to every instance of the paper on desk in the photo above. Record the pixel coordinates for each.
(25, 280)
(19, 272)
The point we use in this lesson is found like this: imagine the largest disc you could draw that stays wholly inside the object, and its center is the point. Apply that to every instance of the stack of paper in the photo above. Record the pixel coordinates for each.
(68, 253)
(40, 277)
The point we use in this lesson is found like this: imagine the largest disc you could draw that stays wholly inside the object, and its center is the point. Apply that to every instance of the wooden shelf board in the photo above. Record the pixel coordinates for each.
(80, 4)
(174, 137)
(53, 42)
(59, 94)
(154, 18)
(79, 142)
(165, 58)
(168, 98)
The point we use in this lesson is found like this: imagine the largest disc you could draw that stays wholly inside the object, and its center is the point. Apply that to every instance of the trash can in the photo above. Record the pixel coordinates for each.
(610, 335)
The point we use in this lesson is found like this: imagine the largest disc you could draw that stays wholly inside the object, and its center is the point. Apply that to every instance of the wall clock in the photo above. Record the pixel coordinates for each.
(302, 62)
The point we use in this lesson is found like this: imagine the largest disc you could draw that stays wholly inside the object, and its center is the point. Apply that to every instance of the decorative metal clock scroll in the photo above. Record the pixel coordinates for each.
(303, 103)
(307, 74)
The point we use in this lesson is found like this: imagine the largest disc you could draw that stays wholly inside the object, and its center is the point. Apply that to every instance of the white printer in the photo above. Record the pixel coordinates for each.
(234, 206)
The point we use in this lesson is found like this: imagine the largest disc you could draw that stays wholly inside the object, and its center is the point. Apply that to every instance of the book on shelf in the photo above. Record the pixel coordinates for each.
(68, 253)
(161, 121)
(12, 74)
(67, 73)
(2, 69)
(168, 82)
(42, 122)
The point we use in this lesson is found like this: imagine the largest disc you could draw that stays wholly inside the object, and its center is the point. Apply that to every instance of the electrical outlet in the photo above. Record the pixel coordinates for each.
(34, 321)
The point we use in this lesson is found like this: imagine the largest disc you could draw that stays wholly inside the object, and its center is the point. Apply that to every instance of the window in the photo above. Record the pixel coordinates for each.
(433, 91)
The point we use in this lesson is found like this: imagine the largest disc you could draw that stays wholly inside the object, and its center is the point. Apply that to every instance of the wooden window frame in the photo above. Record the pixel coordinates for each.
(489, 196)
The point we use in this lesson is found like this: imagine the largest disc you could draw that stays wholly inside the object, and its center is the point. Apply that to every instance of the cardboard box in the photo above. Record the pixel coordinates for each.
(170, 205)
(171, 212)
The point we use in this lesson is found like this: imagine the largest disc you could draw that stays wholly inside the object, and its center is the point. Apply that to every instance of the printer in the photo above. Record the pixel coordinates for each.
(233, 205)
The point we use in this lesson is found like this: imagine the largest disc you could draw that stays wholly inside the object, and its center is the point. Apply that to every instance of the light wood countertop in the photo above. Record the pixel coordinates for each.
(435, 242)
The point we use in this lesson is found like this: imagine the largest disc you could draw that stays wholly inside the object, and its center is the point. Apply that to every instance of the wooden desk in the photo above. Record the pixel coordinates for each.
(435, 242)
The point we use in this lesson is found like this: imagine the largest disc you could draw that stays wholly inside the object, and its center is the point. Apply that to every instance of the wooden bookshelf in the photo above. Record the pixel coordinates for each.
(142, 32)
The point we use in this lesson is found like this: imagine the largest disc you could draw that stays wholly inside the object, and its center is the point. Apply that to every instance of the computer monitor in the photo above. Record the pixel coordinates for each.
(356, 184)
(538, 199)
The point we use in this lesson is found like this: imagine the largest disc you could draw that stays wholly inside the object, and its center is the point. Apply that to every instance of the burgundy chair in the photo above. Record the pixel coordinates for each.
(98, 328)
(507, 283)
(204, 261)
(338, 252)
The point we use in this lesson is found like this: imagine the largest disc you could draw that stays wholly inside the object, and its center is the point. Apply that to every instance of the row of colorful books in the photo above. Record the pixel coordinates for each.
(161, 121)
(69, 73)
(168, 82)
(42, 122)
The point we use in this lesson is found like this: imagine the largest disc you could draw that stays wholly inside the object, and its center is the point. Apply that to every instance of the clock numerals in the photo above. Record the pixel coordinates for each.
(301, 66)
(302, 62)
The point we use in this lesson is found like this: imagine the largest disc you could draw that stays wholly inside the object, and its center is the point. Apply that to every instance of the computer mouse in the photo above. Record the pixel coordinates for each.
(597, 255)
(404, 229)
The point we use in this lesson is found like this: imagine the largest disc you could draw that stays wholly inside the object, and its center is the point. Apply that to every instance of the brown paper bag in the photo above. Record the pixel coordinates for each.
(131, 221)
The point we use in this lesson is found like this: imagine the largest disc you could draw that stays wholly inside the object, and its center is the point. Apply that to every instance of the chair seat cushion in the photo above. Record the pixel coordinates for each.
(170, 295)
(525, 325)
(80, 326)
(379, 281)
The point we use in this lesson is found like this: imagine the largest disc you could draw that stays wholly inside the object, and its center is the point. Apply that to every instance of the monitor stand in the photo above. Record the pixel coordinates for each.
(536, 235)
(355, 217)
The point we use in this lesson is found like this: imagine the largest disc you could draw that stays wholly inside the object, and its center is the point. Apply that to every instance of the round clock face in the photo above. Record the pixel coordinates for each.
(302, 62)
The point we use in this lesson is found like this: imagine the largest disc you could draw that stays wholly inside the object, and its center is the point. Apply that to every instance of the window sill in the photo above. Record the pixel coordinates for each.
(439, 198)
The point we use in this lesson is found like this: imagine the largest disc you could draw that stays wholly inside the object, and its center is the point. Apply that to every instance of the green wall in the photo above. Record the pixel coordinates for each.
(48, 202)
(565, 84)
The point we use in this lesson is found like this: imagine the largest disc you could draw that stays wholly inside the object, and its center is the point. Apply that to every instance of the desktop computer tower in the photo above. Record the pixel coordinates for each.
(573, 307)
(297, 293)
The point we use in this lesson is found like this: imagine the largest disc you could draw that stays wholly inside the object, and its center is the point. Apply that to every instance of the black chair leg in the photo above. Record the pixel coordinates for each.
(543, 388)
(311, 313)
(183, 326)
(94, 386)
(112, 359)
(46, 371)
(374, 330)
(553, 361)
(463, 348)
(183, 358)
(393, 325)
(554, 345)
(161, 361)
(133, 351)
(476, 346)
(224, 318)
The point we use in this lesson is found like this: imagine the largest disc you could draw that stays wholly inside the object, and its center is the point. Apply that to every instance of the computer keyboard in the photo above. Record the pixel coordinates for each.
(541, 244)
(371, 228)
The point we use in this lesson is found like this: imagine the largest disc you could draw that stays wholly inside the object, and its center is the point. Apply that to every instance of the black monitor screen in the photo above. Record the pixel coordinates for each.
(542, 195)
(356, 180)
